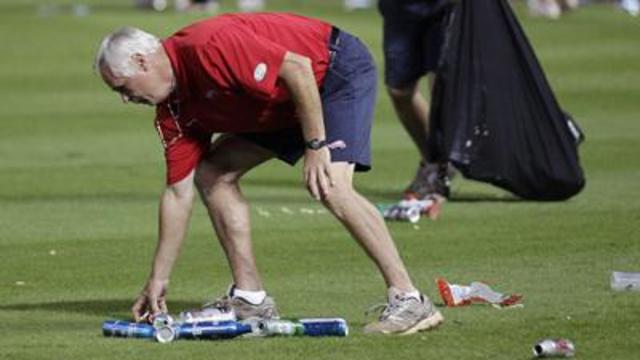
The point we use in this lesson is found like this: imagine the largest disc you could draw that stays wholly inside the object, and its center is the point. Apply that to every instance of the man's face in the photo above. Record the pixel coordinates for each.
(143, 87)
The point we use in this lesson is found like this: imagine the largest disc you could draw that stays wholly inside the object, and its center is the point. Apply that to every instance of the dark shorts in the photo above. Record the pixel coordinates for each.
(348, 98)
(412, 40)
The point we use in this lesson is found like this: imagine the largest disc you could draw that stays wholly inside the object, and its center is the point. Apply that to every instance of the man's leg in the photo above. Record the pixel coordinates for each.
(412, 50)
(366, 226)
(408, 311)
(217, 178)
(413, 111)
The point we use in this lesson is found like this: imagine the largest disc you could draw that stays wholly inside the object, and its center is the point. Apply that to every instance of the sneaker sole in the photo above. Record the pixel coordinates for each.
(428, 323)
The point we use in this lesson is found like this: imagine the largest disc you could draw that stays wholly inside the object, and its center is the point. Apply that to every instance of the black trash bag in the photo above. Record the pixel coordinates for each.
(494, 115)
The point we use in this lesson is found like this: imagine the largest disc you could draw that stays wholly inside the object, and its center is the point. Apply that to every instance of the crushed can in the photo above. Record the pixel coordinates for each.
(554, 348)
(625, 281)
(401, 213)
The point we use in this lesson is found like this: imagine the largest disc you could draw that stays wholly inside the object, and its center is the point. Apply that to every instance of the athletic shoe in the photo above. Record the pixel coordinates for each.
(430, 180)
(405, 315)
(245, 310)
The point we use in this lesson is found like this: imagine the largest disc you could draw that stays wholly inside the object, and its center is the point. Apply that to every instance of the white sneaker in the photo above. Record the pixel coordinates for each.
(406, 315)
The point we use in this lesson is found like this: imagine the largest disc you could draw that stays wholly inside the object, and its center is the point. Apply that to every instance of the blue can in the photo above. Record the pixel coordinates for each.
(325, 327)
(212, 330)
(119, 328)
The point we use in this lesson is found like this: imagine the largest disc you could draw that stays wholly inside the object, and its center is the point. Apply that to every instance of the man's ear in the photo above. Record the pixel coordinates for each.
(141, 61)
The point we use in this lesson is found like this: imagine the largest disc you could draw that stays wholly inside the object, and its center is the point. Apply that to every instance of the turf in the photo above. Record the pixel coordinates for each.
(80, 174)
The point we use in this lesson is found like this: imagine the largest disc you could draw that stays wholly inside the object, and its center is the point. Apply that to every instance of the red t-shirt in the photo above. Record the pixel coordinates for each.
(226, 71)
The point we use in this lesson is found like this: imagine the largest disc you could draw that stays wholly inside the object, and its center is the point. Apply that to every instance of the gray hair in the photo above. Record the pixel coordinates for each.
(117, 49)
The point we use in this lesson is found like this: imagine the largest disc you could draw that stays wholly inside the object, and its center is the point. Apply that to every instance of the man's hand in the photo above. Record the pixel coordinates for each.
(317, 172)
(151, 301)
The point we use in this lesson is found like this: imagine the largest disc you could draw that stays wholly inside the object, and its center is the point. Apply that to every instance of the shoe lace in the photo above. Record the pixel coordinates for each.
(375, 308)
(389, 309)
(222, 303)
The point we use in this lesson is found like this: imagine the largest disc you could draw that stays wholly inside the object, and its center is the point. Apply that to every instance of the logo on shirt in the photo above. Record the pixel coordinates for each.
(260, 72)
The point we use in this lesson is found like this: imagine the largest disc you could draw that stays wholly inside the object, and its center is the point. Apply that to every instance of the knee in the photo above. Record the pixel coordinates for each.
(339, 199)
(210, 177)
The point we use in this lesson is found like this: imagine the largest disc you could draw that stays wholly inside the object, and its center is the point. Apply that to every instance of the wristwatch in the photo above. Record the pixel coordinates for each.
(315, 144)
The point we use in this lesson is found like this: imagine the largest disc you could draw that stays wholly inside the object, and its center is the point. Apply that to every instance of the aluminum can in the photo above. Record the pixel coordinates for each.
(402, 213)
(202, 330)
(119, 328)
(624, 281)
(554, 348)
(165, 334)
(161, 320)
(304, 327)
(280, 327)
(325, 327)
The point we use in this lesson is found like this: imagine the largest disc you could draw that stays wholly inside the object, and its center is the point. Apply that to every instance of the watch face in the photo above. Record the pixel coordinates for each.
(316, 144)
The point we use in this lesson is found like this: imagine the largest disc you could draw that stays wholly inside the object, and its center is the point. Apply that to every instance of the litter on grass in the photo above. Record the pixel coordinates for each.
(625, 281)
(477, 292)
(412, 209)
(217, 324)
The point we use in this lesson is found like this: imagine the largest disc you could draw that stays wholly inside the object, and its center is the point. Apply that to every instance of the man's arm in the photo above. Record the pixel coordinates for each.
(297, 74)
(175, 209)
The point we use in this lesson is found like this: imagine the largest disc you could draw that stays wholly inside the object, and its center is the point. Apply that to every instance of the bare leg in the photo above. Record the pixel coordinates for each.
(366, 226)
(413, 111)
(217, 179)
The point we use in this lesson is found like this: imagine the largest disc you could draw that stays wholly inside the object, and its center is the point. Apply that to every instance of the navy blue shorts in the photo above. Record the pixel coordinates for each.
(348, 98)
(412, 40)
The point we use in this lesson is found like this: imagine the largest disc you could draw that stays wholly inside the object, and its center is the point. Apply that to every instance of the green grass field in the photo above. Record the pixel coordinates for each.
(80, 174)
